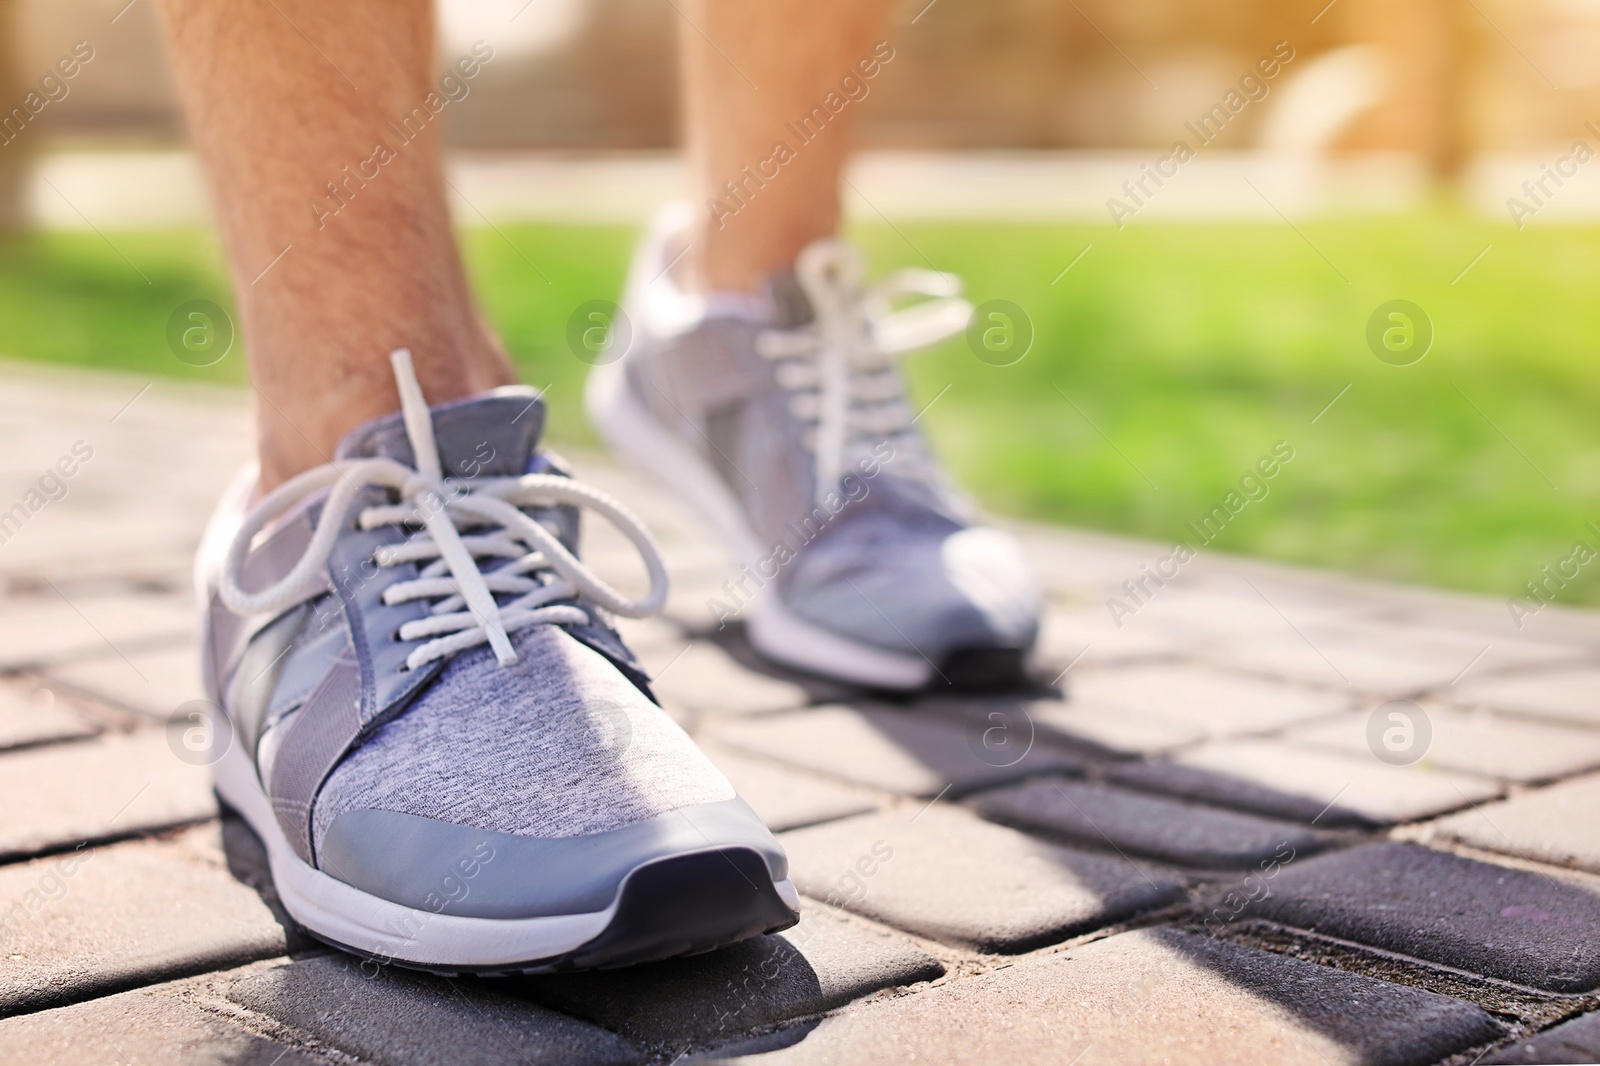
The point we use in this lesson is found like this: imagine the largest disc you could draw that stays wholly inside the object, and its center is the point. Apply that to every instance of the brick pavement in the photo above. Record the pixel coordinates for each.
(1196, 854)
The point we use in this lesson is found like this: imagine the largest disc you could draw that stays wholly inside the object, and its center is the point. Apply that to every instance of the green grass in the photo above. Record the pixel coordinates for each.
(1165, 363)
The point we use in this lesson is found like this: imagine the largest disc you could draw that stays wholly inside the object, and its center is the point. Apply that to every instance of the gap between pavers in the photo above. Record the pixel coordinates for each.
(786, 798)
(31, 714)
(1157, 995)
(1577, 1040)
(1381, 659)
(45, 629)
(1149, 708)
(1566, 693)
(891, 749)
(109, 786)
(1528, 928)
(1559, 825)
(1219, 702)
(99, 920)
(1073, 637)
(163, 1023)
(1329, 789)
(826, 961)
(1475, 742)
(1102, 817)
(398, 1016)
(948, 875)
(153, 682)
(96, 789)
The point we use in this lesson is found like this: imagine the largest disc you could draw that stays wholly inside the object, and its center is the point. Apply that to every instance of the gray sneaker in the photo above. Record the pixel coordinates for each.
(452, 759)
(784, 420)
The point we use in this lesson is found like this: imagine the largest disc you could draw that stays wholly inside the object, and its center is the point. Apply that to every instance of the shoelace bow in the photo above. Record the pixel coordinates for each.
(840, 369)
(540, 572)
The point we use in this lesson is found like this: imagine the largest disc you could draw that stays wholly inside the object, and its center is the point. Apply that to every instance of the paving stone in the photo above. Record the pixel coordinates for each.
(1086, 636)
(99, 920)
(1381, 659)
(1577, 1040)
(147, 1025)
(896, 750)
(823, 963)
(1331, 789)
(119, 783)
(47, 628)
(785, 798)
(1119, 732)
(1153, 708)
(413, 1019)
(31, 714)
(1152, 996)
(1206, 611)
(1567, 692)
(1555, 825)
(1103, 816)
(1479, 742)
(1512, 924)
(946, 874)
(153, 683)
(155, 475)
(1079, 563)
(1218, 702)
(705, 678)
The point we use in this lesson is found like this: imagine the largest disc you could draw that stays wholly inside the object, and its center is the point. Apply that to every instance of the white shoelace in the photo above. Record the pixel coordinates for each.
(840, 369)
(541, 572)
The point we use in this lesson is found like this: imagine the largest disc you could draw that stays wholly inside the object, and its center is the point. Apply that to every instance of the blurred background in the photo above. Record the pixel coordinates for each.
(1170, 342)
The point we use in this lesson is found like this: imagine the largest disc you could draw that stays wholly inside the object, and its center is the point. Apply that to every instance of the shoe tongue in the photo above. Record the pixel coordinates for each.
(490, 435)
(790, 307)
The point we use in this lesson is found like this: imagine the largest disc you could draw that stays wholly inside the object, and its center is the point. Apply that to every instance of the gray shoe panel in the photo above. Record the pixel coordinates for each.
(895, 577)
(438, 867)
(489, 435)
(250, 689)
(321, 641)
(374, 626)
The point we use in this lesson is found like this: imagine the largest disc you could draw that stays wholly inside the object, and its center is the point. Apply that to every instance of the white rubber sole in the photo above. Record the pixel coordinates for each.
(631, 431)
(376, 927)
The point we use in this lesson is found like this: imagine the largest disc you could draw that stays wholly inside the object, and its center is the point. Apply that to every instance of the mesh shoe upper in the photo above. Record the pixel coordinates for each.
(559, 744)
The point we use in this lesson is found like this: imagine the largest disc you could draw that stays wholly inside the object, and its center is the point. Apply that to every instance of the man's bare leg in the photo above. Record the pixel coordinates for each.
(281, 98)
(795, 52)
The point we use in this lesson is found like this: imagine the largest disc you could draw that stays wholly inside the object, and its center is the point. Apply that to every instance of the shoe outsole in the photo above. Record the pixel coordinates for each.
(987, 669)
(685, 905)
